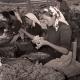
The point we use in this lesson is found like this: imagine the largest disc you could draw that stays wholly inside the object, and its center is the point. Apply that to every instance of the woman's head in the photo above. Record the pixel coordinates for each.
(31, 19)
(53, 16)
(48, 17)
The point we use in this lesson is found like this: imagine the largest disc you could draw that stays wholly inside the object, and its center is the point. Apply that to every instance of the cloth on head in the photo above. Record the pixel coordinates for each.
(33, 18)
(60, 16)
(2, 18)
(18, 16)
(57, 12)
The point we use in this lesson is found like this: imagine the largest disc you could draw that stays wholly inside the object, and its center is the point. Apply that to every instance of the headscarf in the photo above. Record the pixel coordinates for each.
(18, 16)
(32, 17)
(59, 15)
(2, 18)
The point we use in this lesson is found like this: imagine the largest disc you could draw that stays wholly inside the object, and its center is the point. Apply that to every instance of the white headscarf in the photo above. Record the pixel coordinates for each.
(60, 17)
(33, 18)
(2, 18)
(18, 16)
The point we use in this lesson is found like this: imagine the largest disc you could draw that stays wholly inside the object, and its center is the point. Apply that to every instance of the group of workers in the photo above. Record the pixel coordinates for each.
(50, 34)
(46, 38)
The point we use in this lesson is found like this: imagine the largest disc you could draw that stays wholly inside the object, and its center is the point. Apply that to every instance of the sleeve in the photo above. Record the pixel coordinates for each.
(65, 37)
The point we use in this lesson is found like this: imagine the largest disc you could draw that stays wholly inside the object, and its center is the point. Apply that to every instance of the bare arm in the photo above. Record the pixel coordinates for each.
(65, 38)
(58, 48)
(39, 41)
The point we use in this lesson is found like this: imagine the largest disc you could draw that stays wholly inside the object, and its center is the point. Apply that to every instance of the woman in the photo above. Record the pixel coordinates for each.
(56, 44)
(34, 26)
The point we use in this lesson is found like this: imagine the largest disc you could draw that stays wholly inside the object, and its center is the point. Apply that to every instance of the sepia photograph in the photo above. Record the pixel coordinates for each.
(39, 39)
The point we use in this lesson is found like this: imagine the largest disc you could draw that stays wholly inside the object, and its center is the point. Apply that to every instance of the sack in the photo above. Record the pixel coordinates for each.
(23, 69)
(59, 63)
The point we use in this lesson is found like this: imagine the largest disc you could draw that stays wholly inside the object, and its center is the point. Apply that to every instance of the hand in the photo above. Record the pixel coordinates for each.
(39, 41)
(36, 39)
